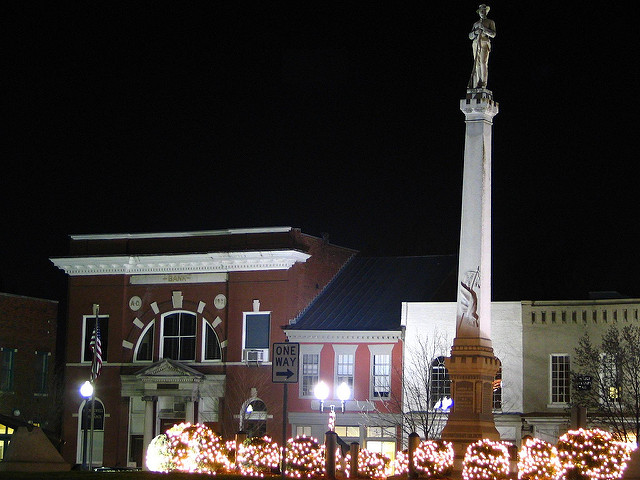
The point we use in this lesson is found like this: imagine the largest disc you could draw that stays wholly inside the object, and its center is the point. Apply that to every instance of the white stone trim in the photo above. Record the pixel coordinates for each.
(201, 233)
(182, 263)
(343, 336)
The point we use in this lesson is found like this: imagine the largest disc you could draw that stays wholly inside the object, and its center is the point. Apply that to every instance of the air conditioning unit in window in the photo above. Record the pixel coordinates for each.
(253, 355)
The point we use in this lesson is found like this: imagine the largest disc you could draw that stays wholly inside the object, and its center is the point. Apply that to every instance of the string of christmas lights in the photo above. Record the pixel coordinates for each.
(593, 454)
(538, 460)
(579, 455)
(486, 460)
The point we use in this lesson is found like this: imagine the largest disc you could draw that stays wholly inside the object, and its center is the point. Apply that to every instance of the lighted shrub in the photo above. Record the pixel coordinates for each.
(159, 455)
(371, 464)
(258, 455)
(486, 459)
(592, 454)
(538, 460)
(401, 462)
(433, 459)
(304, 457)
(195, 448)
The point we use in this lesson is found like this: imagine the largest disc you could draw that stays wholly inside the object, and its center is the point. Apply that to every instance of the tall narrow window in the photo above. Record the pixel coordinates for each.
(7, 365)
(560, 379)
(344, 370)
(381, 376)
(89, 325)
(212, 349)
(497, 390)
(179, 336)
(41, 370)
(310, 372)
(440, 385)
(610, 378)
(256, 335)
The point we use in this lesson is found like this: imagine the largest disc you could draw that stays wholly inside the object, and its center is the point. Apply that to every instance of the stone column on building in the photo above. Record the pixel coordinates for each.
(189, 410)
(472, 365)
(149, 426)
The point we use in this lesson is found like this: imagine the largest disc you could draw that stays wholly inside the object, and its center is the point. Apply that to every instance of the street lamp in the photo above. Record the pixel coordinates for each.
(344, 392)
(321, 392)
(86, 390)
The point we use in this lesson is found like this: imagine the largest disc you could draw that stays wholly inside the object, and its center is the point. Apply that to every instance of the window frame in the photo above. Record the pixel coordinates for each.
(265, 350)
(349, 352)
(86, 338)
(161, 353)
(205, 327)
(143, 334)
(438, 368)
(9, 386)
(316, 350)
(554, 383)
(380, 350)
(41, 373)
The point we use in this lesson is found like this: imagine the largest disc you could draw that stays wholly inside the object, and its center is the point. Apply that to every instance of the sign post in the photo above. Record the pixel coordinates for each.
(285, 359)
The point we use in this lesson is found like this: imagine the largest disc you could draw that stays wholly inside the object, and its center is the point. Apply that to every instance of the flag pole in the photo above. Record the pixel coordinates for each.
(94, 376)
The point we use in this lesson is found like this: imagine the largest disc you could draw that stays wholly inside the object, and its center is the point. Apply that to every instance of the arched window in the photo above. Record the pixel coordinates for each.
(144, 348)
(179, 336)
(255, 418)
(211, 350)
(439, 385)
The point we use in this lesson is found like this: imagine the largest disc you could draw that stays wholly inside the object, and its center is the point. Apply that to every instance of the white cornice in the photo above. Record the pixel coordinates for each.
(344, 336)
(180, 263)
(199, 233)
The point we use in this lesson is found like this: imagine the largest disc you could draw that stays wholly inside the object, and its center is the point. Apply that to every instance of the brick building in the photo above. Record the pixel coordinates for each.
(28, 328)
(187, 322)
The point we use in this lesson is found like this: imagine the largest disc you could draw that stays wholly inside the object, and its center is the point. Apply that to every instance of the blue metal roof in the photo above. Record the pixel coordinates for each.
(368, 292)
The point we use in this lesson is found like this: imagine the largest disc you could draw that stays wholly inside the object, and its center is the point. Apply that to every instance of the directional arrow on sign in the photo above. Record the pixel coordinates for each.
(287, 374)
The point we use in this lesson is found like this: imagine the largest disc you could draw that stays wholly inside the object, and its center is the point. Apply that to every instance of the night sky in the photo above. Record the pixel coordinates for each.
(156, 117)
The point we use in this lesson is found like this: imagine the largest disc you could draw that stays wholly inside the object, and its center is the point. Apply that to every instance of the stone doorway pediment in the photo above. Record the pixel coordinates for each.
(169, 371)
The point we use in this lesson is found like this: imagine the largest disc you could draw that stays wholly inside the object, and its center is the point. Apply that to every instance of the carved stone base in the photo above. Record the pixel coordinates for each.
(472, 369)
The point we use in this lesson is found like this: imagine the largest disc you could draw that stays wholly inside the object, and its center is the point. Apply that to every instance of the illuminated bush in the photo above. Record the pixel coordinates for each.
(486, 459)
(538, 461)
(401, 462)
(258, 456)
(187, 448)
(433, 459)
(304, 457)
(371, 464)
(159, 455)
(592, 454)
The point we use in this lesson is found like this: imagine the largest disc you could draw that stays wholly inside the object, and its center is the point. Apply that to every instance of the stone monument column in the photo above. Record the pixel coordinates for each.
(472, 365)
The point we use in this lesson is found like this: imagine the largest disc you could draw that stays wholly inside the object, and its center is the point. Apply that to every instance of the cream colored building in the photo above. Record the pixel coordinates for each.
(535, 341)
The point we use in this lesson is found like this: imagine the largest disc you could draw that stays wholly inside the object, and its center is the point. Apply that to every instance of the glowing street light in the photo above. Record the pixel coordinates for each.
(344, 393)
(321, 392)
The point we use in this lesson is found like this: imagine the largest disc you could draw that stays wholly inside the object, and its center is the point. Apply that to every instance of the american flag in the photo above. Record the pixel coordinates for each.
(96, 347)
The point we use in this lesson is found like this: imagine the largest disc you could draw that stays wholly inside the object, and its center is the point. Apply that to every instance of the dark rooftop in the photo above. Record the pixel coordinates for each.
(368, 292)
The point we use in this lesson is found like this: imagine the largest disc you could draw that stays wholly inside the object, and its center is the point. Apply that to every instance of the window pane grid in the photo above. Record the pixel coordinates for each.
(381, 375)
(179, 342)
(560, 378)
(344, 369)
(310, 370)
(440, 382)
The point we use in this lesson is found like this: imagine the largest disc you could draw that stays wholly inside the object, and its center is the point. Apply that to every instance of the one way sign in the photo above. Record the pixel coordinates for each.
(284, 363)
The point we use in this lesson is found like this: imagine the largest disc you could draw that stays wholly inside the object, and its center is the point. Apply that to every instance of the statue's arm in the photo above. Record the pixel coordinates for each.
(489, 28)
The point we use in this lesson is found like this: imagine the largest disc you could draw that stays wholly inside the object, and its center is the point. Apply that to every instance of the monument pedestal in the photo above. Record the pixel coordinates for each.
(472, 369)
